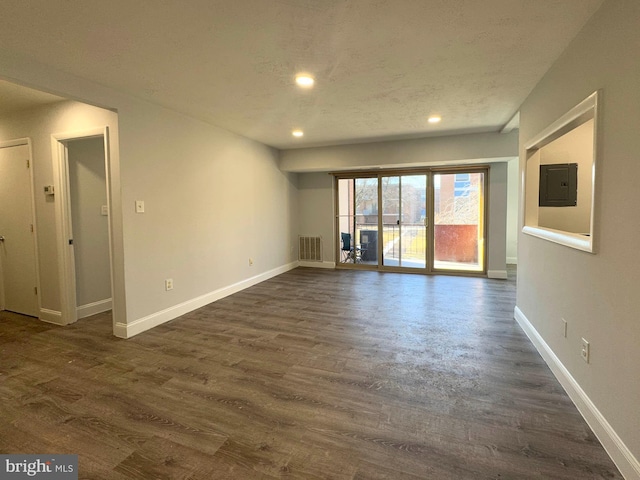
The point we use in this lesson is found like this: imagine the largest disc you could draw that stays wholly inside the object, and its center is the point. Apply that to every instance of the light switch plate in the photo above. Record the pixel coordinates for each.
(139, 206)
(585, 350)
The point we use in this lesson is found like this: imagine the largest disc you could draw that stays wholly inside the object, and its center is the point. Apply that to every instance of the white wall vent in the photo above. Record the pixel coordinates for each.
(310, 249)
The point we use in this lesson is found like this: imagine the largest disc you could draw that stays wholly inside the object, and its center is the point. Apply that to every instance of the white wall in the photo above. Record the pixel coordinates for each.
(596, 293)
(212, 198)
(39, 124)
(88, 191)
(513, 198)
(455, 149)
(317, 211)
(497, 221)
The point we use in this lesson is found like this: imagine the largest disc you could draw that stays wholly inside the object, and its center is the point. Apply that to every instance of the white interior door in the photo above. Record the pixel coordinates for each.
(17, 247)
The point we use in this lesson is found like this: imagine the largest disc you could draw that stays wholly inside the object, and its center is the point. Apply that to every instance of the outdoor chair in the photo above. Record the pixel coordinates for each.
(346, 246)
(350, 253)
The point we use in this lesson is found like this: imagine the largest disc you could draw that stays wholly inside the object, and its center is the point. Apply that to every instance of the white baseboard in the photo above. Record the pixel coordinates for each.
(140, 325)
(93, 308)
(501, 274)
(51, 316)
(612, 443)
(318, 264)
(512, 260)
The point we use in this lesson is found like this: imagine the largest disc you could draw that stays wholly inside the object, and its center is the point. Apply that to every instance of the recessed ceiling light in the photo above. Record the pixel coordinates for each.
(297, 133)
(434, 119)
(304, 80)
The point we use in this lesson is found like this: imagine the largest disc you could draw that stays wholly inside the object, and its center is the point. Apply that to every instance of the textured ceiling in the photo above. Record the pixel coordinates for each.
(14, 98)
(381, 66)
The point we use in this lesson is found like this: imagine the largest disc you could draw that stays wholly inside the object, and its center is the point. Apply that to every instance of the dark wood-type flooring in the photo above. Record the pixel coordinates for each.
(314, 374)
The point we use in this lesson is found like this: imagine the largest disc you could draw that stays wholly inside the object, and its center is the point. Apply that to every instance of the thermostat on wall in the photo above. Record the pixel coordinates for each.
(48, 190)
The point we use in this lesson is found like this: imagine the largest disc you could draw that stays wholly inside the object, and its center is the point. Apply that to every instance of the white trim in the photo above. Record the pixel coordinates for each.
(51, 316)
(94, 308)
(64, 230)
(318, 264)
(501, 274)
(628, 465)
(512, 124)
(557, 128)
(14, 143)
(588, 108)
(66, 269)
(573, 240)
(140, 325)
(512, 260)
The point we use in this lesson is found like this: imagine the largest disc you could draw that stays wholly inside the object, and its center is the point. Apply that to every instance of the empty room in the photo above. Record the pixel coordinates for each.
(319, 239)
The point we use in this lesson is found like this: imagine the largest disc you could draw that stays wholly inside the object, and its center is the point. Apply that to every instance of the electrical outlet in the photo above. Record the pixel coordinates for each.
(564, 328)
(250, 261)
(168, 284)
(585, 351)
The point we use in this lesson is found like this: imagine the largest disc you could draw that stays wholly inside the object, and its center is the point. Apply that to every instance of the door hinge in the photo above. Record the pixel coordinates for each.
(28, 163)
(31, 228)
(35, 289)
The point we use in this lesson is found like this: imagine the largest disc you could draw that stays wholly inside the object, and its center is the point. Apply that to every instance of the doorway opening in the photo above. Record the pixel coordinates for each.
(424, 220)
(84, 229)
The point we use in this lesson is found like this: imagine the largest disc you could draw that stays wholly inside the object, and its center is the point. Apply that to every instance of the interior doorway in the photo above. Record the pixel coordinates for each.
(89, 224)
(18, 261)
(84, 229)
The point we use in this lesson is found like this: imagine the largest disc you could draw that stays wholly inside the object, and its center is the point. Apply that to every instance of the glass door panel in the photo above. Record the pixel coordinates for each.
(413, 230)
(458, 230)
(391, 242)
(357, 220)
(366, 220)
(404, 213)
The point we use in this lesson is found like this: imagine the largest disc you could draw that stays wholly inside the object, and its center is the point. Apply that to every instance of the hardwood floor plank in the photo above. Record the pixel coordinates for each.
(314, 374)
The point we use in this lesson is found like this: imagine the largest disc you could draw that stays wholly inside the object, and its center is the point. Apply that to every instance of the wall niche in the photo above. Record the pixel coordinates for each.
(565, 152)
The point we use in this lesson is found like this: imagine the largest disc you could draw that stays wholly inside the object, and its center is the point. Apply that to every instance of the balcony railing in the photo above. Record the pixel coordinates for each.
(453, 243)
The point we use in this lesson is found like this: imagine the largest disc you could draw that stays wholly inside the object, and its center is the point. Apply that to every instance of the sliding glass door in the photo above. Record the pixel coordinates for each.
(458, 230)
(404, 231)
(357, 220)
(423, 220)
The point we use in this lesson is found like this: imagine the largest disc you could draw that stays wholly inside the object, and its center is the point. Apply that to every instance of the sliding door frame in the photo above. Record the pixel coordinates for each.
(401, 223)
(482, 220)
(337, 235)
(430, 224)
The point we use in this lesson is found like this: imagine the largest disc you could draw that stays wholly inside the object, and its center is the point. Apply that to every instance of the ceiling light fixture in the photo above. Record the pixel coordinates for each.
(297, 133)
(305, 81)
(434, 119)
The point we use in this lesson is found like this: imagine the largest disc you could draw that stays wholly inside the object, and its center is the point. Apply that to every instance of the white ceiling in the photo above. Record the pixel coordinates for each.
(14, 98)
(381, 66)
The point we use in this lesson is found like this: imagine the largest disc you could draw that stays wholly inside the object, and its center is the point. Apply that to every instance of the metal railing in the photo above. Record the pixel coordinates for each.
(413, 242)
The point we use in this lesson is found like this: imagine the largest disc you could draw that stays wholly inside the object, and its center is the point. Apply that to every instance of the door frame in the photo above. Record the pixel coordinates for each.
(428, 268)
(486, 170)
(64, 228)
(430, 203)
(16, 143)
(336, 214)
